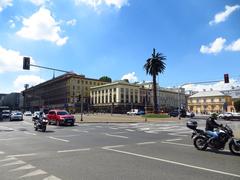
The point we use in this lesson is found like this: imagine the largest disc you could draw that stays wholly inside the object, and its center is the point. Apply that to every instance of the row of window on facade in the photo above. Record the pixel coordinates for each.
(206, 100)
(88, 82)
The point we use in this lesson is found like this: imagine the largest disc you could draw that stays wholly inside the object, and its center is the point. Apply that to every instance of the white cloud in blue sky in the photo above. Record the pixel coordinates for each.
(214, 47)
(42, 26)
(5, 4)
(222, 16)
(39, 2)
(234, 46)
(98, 3)
(130, 76)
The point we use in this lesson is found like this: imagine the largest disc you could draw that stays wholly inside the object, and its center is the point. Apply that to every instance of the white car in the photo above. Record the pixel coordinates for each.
(16, 116)
(226, 115)
(28, 113)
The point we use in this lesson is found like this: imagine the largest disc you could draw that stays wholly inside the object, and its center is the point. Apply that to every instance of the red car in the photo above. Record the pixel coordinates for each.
(59, 117)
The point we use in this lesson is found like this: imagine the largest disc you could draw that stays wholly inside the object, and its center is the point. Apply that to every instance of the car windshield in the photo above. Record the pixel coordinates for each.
(62, 113)
(18, 113)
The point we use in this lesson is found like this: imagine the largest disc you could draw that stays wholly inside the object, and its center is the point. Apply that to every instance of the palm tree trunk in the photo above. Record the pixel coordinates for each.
(155, 109)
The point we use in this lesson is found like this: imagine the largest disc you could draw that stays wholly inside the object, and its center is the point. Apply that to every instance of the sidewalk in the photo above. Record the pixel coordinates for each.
(118, 118)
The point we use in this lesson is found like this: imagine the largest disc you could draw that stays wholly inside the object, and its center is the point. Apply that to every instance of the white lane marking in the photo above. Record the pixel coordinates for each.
(77, 130)
(169, 140)
(109, 147)
(119, 132)
(143, 143)
(70, 135)
(8, 159)
(1, 152)
(180, 144)
(34, 173)
(151, 132)
(174, 162)
(14, 163)
(74, 150)
(99, 126)
(130, 130)
(113, 128)
(27, 123)
(125, 137)
(64, 140)
(22, 155)
(176, 134)
(52, 178)
(8, 139)
(26, 167)
(30, 133)
(7, 128)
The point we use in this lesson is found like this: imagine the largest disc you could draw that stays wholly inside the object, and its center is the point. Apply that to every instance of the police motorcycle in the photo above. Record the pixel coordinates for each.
(40, 122)
(202, 140)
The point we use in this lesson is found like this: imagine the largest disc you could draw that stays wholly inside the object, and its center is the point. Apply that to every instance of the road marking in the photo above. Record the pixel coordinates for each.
(174, 162)
(8, 159)
(143, 143)
(26, 167)
(77, 130)
(130, 130)
(169, 140)
(99, 126)
(52, 178)
(30, 133)
(22, 155)
(125, 137)
(70, 135)
(109, 147)
(74, 150)
(1, 152)
(14, 163)
(27, 123)
(113, 128)
(180, 144)
(64, 140)
(34, 173)
(8, 139)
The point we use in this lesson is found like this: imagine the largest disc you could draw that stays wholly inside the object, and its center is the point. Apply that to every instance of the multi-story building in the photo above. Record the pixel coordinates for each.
(118, 96)
(121, 96)
(210, 101)
(65, 91)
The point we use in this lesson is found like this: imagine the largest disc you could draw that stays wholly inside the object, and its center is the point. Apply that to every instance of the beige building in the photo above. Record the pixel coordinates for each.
(64, 91)
(206, 102)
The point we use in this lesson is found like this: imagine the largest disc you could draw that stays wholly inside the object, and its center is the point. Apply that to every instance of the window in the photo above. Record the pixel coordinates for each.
(86, 82)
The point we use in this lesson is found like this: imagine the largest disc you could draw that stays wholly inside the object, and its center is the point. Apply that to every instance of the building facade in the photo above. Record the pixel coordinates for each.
(121, 96)
(206, 102)
(68, 91)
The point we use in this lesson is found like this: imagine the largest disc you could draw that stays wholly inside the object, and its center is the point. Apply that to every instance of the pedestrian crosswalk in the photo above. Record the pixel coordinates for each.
(14, 168)
(174, 129)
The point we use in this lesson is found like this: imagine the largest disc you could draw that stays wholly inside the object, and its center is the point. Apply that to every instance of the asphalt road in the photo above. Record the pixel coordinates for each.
(110, 151)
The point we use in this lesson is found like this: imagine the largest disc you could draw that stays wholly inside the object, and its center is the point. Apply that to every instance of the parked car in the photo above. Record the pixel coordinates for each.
(140, 113)
(190, 114)
(16, 116)
(132, 112)
(60, 117)
(173, 113)
(28, 113)
(226, 116)
(6, 114)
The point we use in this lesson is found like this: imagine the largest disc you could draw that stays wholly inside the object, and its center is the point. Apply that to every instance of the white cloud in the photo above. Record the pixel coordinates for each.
(42, 26)
(4, 4)
(215, 86)
(222, 16)
(11, 61)
(39, 2)
(130, 76)
(234, 46)
(72, 22)
(214, 47)
(32, 80)
(97, 3)
(12, 24)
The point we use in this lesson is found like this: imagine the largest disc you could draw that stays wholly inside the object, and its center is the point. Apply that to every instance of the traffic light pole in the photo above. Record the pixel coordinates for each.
(43, 67)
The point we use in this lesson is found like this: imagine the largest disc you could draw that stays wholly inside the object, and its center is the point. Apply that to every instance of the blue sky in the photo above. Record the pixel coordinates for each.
(201, 39)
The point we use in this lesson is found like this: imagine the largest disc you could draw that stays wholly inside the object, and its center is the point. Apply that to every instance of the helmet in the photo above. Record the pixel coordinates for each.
(213, 116)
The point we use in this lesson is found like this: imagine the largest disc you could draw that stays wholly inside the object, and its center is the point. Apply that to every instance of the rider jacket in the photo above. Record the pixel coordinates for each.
(211, 124)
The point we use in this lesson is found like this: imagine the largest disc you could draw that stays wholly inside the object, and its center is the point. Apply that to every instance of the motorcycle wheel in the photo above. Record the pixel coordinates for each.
(234, 149)
(200, 143)
(36, 128)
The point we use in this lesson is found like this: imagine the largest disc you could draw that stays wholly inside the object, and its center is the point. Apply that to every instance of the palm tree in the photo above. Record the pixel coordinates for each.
(154, 66)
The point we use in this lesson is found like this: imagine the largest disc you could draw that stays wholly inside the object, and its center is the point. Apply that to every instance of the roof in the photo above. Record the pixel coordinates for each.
(207, 94)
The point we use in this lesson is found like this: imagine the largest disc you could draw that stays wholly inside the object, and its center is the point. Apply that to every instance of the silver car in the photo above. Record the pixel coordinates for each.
(16, 116)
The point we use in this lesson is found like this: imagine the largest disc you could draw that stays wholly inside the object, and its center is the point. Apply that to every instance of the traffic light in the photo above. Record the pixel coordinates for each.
(226, 78)
(26, 63)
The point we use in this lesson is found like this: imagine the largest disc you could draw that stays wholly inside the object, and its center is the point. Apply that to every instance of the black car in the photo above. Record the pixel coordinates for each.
(173, 113)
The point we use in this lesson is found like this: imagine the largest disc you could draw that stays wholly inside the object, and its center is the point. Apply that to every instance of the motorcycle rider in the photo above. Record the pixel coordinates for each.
(211, 124)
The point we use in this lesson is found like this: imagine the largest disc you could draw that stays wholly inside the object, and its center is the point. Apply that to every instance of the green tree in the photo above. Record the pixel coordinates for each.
(237, 105)
(155, 65)
(105, 78)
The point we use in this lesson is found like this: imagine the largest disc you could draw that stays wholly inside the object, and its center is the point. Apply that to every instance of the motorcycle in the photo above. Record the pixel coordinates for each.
(41, 124)
(202, 140)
